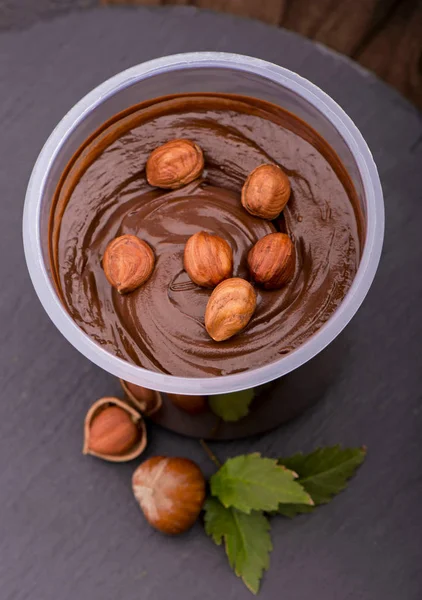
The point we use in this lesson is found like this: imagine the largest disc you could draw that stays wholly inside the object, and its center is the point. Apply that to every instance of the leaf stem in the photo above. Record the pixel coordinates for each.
(210, 453)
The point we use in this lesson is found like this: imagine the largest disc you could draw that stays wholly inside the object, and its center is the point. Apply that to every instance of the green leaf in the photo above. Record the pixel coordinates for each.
(254, 483)
(246, 538)
(323, 473)
(231, 407)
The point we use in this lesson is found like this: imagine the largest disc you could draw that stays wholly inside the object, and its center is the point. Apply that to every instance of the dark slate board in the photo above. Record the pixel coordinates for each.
(69, 527)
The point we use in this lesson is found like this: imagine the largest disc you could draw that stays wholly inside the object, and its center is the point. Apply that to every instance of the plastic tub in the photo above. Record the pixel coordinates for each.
(193, 72)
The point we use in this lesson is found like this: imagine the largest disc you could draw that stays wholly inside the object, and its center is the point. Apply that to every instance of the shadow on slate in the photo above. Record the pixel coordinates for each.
(69, 527)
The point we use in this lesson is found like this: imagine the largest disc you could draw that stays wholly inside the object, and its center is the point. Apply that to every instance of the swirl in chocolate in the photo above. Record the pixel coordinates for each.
(160, 326)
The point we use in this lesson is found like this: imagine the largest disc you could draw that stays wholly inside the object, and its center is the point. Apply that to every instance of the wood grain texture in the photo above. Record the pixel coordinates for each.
(385, 36)
(394, 50)
(265, 10)
(69, 526)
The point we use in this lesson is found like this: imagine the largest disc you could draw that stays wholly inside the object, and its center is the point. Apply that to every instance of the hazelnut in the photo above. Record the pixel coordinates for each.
(146, 401)
(208, 259)
(174, 164)
(230, 308)
(194, 405)
(266, 191)
(114, 431)
(170, 491)
(128, 263)
(271, 261)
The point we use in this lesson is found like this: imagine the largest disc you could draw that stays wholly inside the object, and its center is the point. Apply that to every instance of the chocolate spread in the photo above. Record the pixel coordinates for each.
(160, 326)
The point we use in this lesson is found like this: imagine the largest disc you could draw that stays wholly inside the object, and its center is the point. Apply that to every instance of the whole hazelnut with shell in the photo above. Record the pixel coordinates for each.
(145, 400)
(170, 492)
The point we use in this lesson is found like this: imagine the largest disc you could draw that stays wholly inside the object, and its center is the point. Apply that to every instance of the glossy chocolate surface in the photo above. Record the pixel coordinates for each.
(160, 326)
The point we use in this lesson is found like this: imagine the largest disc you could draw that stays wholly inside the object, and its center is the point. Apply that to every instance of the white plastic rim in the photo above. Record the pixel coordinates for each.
(217, 384)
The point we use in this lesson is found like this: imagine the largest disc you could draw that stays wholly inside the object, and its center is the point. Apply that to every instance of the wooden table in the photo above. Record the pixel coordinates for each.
(384, 36)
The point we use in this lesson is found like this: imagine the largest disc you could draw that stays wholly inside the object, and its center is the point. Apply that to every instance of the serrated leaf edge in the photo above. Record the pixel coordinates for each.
(223, 541)
(362, 449)
(264, 569)
(340, 448)
(277, 465)
(248, 511)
